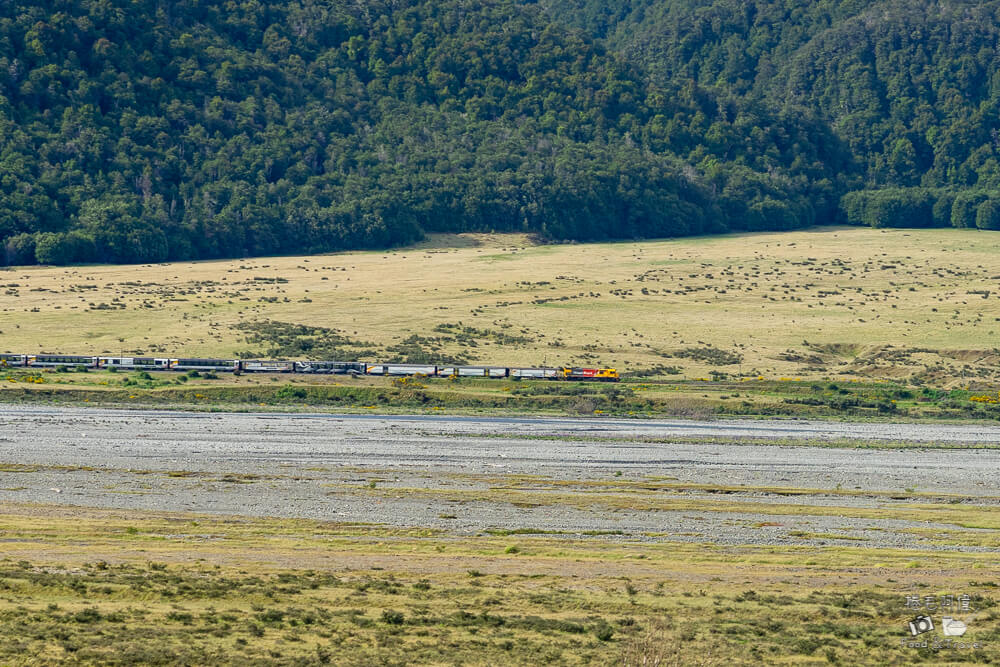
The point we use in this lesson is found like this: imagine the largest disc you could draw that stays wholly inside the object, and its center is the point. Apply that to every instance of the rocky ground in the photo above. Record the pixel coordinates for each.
(924, 486)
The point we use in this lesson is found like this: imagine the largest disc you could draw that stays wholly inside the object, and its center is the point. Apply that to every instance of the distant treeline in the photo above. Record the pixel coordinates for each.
(144, 131)
(923, 207)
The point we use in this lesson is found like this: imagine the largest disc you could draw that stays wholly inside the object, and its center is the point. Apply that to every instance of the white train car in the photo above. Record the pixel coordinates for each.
(258, 366)
(535, 373)
(61, 360)
(134, 363)
(8, 360)
(205, 365)
(410, 369)
(472, 371)
(331, 367)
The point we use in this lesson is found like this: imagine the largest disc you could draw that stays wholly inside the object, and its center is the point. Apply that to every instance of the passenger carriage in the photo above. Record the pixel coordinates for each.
(257, 366)
(472, 371)
(8, 360)
(331, 367)
(134, 363)
(536, 373)
(309, 367)
(61, 360)
(410, 369)
(231, 365)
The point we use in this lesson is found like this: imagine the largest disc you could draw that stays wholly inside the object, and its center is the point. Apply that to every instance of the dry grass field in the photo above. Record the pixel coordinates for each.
(94, 586)
(828, 302)
(127, 587)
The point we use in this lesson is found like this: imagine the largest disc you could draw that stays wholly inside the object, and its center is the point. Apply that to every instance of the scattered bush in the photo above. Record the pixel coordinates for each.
(391, 617)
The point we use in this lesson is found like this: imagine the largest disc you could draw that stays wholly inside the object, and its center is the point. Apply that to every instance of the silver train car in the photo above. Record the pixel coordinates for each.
(230, 365)
(308, 367)
(536, 373)
(331, 367)
(134, 363)
(256, 366)
(473, 371)
(61, 360)
(8, 360)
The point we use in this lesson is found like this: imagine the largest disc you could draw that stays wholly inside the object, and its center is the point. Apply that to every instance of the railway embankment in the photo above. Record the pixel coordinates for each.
(634, 397)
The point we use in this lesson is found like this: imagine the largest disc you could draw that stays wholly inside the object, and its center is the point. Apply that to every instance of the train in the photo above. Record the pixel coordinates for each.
(306, 367)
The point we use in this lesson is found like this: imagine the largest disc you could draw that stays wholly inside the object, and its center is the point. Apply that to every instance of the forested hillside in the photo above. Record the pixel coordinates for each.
(911, 86)
(144, 130)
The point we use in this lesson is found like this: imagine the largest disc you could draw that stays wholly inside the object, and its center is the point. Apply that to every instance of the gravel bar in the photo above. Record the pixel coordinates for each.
(453, 473)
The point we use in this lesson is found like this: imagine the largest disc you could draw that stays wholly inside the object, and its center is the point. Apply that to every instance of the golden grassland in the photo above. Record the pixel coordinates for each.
(826, 302)
(853, 305)
(124, 587)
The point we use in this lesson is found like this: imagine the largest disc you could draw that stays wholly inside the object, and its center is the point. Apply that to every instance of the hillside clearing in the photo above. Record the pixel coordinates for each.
(828, 302)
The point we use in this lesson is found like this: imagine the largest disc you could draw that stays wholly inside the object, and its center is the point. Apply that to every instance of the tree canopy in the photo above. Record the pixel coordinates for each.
(912, 87)
(143, 130)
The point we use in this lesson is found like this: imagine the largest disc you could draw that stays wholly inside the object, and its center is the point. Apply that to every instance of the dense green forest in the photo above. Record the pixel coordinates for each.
(912, 87)
(146, 130)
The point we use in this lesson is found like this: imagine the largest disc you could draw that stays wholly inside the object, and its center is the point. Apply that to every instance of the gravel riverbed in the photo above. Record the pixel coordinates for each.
(469, 474)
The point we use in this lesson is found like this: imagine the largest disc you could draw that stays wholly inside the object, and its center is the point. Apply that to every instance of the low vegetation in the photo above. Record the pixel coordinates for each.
(128, 588)
(702, 398)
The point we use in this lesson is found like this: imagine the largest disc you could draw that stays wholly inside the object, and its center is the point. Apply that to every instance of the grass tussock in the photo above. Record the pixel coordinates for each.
(238, 591)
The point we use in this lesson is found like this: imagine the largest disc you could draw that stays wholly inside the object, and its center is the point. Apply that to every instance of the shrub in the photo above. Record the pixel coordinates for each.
(272, 616)
(988, 214)
(604, 632)
(64, 248)
(19, 249)
(392, 617)
(88, 615)
(963, 210)
(289, 392)
(890, 207)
